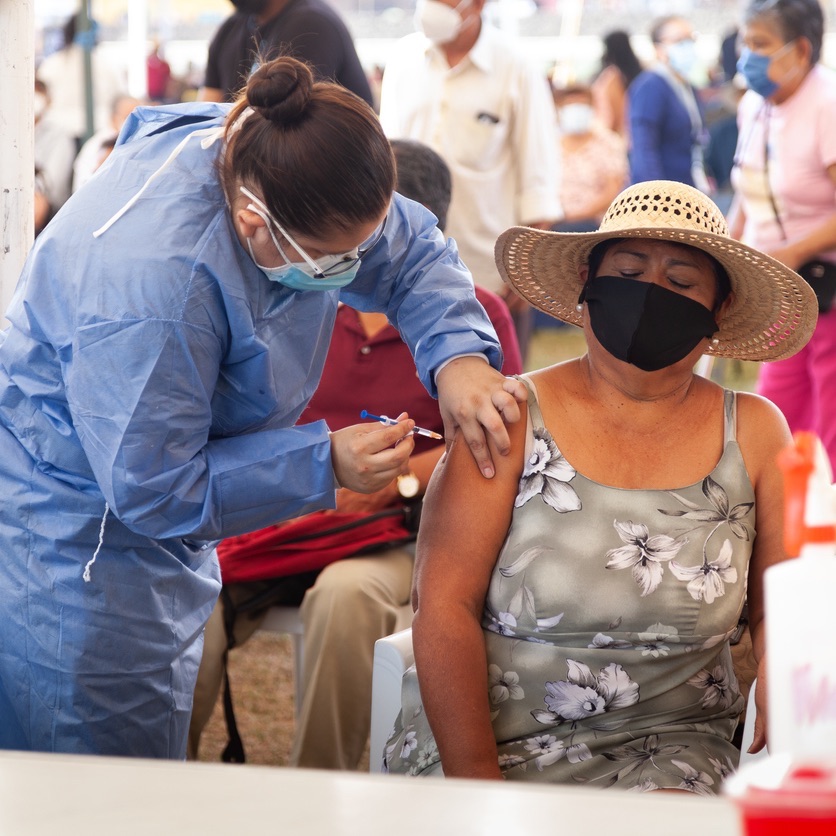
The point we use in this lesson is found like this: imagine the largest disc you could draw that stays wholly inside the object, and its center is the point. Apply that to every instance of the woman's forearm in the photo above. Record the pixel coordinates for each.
(453, 675)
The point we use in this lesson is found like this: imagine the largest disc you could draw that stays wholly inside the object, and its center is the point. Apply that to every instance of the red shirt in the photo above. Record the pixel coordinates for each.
(378, 373)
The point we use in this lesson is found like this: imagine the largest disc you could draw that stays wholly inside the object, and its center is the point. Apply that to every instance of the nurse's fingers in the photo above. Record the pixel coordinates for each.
(367, 457)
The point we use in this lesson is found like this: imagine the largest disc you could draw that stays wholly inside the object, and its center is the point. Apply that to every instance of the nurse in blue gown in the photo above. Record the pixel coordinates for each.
(168, 329)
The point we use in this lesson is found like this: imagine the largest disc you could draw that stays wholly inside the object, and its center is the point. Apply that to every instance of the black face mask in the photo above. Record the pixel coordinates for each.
(252, 7)
(645, 324)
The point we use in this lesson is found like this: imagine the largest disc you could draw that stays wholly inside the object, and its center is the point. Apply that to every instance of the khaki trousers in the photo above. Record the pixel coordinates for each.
(352, 604)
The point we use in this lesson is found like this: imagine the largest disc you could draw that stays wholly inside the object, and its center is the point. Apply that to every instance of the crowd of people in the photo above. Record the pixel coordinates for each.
(158, 386)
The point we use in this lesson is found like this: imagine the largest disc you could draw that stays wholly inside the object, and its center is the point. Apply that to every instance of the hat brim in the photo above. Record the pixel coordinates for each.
(771, 315)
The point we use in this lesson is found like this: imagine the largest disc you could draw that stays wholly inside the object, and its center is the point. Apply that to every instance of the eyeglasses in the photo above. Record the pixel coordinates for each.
(339, 263)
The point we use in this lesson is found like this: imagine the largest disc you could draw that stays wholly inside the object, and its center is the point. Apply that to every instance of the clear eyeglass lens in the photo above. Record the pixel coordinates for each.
(349, 261)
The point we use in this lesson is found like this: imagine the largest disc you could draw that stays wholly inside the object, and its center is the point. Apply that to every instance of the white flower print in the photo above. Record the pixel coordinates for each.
(503, 686)
(550, 750)
(652, 641)
(717, 686)
(708, 582)
(547, 473)
(639, 758)
(410, 742)
(720, 511)
(542, 744)
(584, 695)
(645, 785)
(509, 761)
(428, 755)
(505, 624)
(643, 553)
(546, 624)
(694, 780)
(601, 641)
(723, 768)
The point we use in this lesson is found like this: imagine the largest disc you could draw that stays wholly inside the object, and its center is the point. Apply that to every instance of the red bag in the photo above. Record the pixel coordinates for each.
(312, 542)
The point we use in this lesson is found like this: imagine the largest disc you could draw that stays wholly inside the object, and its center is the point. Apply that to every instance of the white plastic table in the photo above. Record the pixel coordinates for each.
(47, 795)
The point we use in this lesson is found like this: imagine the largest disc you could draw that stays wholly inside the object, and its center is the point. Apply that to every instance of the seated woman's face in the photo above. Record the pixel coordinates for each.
(677, 267)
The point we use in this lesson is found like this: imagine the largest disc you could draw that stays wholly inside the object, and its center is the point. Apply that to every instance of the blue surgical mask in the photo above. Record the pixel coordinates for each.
(754, 67)
(683, 58)
(324, 273)
(297, 275)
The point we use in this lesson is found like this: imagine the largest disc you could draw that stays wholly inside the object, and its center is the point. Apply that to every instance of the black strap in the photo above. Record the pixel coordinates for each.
(234, 750)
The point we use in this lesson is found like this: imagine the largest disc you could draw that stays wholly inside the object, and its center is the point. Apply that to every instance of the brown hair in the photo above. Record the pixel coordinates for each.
(315, 151)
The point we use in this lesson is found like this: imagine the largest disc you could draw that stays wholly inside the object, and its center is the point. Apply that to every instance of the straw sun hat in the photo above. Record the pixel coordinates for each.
(772, 312)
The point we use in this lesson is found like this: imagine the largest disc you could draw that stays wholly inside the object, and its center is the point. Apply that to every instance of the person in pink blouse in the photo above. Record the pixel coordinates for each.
(785, 190)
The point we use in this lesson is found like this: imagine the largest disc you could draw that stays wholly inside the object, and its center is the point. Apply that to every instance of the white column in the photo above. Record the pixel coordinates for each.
(17, 141)
(138, 48)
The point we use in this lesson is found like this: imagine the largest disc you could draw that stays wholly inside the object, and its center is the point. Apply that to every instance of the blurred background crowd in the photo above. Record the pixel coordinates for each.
(589, 50)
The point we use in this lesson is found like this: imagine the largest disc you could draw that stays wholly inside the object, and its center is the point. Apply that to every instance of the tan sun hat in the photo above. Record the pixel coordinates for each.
(772, 313)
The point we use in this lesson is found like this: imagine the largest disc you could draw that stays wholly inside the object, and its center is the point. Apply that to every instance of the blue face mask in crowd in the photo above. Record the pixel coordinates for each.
(330, 272)
(754, 67)
(683, 58)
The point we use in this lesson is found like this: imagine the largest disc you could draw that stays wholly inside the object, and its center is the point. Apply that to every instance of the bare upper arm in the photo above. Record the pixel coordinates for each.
(762, 434)
(464, 523)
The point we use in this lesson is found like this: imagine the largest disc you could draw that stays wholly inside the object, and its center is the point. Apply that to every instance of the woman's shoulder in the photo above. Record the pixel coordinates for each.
(762, 430)
(610, 78)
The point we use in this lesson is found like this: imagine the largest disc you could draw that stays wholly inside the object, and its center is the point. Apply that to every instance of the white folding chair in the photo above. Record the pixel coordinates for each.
(392, 656)
(287, 620)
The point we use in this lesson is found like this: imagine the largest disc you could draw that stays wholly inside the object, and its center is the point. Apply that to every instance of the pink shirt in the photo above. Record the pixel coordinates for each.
(793, 143)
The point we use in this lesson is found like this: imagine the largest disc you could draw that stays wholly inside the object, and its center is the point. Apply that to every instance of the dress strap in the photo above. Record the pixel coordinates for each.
(729, 416)
(535, 416)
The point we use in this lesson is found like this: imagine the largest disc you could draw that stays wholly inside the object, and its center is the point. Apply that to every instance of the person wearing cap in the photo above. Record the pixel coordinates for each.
(572, 622)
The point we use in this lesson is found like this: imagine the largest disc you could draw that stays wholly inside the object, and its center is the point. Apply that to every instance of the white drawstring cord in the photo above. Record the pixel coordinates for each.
(210, 134)
(90, 562)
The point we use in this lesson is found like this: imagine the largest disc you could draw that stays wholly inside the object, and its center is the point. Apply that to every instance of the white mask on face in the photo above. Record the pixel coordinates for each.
(440, 23)
(576, 118)
(40, 105)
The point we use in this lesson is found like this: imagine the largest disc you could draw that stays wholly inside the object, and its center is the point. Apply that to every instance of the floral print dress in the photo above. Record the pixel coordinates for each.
(607, 626)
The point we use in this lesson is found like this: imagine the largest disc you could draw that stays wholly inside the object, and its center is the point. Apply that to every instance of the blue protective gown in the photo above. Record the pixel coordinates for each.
(150, 381)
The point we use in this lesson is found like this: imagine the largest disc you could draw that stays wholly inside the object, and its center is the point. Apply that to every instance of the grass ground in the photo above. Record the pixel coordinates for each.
(261, 671)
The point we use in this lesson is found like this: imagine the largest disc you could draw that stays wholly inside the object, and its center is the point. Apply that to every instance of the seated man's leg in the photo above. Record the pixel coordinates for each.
(211, 673)
(353, 603)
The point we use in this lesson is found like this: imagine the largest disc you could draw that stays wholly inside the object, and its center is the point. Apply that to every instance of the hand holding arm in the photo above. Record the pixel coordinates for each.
(477, 399)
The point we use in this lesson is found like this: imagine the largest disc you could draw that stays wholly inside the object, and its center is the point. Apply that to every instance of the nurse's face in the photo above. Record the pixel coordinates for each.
(252, 225)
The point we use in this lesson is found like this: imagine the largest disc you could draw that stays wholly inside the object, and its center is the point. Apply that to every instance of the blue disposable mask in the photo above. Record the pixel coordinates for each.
(754, 67)
(330, 272)
(298, 275)
(683, 57)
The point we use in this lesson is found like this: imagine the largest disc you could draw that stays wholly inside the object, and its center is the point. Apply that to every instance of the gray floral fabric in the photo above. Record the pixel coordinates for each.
(606, 625)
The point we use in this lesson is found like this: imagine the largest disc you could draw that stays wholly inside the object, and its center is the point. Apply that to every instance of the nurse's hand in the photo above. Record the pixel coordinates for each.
(367, 457)
(475, 397)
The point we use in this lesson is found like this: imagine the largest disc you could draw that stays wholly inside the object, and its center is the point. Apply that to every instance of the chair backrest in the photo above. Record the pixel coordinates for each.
(392, 656)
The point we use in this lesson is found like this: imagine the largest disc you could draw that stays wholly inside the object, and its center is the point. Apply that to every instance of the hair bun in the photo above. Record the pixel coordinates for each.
(280, 90)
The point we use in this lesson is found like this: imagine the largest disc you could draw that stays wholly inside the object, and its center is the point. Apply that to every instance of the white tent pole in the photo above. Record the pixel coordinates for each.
(138, 48)
(17, 140)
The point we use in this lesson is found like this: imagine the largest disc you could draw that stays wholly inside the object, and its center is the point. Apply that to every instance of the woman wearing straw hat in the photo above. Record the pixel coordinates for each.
(595, 585)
